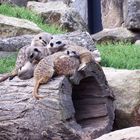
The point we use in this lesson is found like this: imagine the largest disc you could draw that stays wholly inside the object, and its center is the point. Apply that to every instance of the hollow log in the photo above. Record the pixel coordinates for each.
(79, 108)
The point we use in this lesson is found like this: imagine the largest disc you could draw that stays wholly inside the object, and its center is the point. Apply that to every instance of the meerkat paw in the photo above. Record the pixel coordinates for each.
(82, 67)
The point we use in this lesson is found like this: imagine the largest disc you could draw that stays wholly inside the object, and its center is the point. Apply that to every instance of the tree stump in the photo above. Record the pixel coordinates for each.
(76, 109)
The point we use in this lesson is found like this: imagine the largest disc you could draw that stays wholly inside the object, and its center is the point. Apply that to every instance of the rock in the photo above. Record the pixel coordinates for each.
(112, 13)
(4, 54)
(80, 109)
(116, 34)
(68, 2)
(132, 15)
(15, 43)
(137, 43)
(132, 133)
(82, 8)
(15, 2)
(11, 26)
(80, 38)
(59, 14)
(126, 88)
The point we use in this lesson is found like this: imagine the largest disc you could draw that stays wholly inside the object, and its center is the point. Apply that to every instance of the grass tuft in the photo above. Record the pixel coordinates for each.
(7, 63)
(23, 13)
(120, 55)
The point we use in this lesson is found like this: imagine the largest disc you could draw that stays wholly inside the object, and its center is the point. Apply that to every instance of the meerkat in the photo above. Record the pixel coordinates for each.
(85, 55)
(60, 63)
(40, 40)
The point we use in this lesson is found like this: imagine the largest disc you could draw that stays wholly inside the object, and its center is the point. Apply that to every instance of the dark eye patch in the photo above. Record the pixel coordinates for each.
(74, 52)
(36, 50)
(40, 37)
(58, 42)
(51, 37)
(68, 52)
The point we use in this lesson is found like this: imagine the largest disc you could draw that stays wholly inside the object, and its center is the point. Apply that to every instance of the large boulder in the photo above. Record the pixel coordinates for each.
(132, 15)
(58, 13)
(126, 88)
(132, 133)
(78, 110)
(116, 34)
(11, 26)
(68, 2)
(15, 43)
(15, 2)
(81, 6)
(112, 13)
(80, 38)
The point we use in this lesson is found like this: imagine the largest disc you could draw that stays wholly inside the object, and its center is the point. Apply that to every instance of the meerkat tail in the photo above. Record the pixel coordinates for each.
(12, 76)
(5, 77)
(36, 87)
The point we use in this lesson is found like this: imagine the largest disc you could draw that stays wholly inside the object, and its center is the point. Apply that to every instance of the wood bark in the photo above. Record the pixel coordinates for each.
(79, 108)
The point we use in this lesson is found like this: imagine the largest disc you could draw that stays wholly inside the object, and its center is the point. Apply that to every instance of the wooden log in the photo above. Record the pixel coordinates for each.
(80, 108)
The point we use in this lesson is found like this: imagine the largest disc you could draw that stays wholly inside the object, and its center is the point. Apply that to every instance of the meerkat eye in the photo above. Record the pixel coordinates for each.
(58, 42)
(51, 37)
(51, 44)
(40, 37)
(68, 52)
(32, 55)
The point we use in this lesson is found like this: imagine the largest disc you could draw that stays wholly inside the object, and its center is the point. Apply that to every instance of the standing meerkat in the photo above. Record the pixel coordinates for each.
(40, 40)
(85, 55)
(60, 63)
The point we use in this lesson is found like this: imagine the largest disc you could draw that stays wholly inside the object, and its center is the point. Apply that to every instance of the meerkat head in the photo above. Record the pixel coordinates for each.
(35, 53)
(72, 54)
(41, 39)
(55, 45)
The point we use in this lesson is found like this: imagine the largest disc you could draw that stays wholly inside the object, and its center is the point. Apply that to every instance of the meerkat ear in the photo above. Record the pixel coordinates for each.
(51, 37)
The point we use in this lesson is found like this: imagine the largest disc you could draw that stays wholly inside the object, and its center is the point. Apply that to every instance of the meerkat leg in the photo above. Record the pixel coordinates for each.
(36, 87)
(82, 67)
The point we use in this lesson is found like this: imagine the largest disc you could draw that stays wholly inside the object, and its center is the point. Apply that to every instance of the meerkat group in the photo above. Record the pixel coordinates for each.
(48, 56)
(39, 41)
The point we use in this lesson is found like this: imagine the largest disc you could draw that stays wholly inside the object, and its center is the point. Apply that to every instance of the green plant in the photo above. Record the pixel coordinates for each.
(120, 55)
(23, 13)
(7, 63)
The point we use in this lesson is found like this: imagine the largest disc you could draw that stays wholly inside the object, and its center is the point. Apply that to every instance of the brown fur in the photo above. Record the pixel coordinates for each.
(53, 64)
(86, 56)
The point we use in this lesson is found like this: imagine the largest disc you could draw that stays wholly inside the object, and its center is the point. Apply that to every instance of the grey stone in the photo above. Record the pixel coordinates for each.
(112, 13)
(77, 110)
(126, 88)
(116, 34)
(59, 14)
(11, 26)
(15, 43)
(15, 2)
(132, 15)
(132, 133)
(82, 8)
(137, 42)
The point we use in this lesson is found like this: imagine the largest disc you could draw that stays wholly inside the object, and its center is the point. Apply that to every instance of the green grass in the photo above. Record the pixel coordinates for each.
(15, 11)
(7, 64)
(120, 55)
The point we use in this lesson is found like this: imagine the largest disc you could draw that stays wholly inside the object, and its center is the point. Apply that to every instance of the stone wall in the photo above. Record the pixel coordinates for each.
(117, 13)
